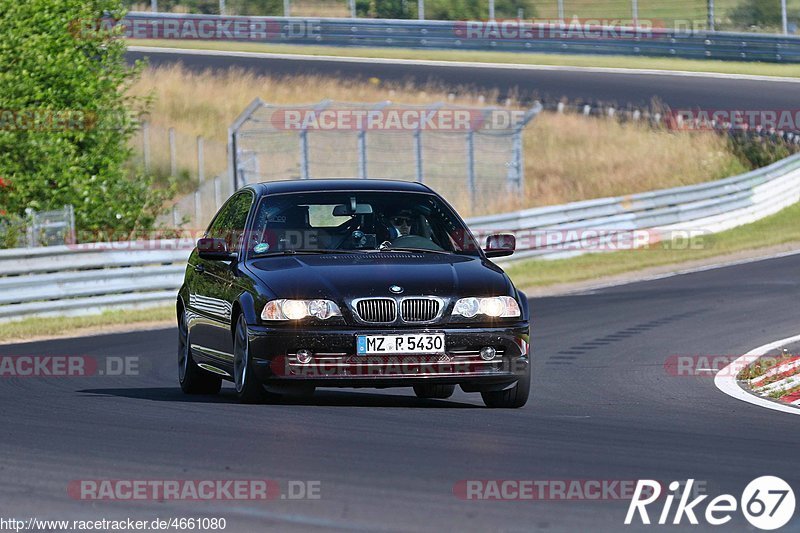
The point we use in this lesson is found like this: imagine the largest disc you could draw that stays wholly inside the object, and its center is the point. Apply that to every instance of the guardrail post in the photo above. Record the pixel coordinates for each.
(491, 9)
(352, 4)
(471, 167)
(217, 193)
(200, 161)
(418, 153)
(784, 18)
(635, 12)
(231, 153)
(154, 6)
(176, 221)
(561, 10)
(515, 171)
(303, 154)
(146, 144)
(421, 9)
(197, 208)
(30, 227)
(72, 237)
(221, 7)
(711, 22)
(173, 155)
(287, 8)
(362, 154)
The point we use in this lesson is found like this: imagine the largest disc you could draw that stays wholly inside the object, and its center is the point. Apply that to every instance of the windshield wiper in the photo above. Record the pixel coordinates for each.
(403, 249)
(303, 251)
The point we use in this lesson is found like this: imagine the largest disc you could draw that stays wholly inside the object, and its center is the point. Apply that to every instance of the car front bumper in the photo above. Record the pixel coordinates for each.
(335, 363)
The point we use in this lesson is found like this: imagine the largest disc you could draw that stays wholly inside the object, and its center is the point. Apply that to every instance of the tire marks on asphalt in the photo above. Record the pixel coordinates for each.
(569, 355)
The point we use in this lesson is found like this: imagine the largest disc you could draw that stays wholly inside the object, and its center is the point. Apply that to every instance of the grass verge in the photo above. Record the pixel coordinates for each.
(567, 60)
(33, 328)
(780, 228)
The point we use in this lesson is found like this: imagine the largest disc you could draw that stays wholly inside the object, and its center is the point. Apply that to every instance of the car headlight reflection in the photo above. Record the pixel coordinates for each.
(495, 307)
(299, 309)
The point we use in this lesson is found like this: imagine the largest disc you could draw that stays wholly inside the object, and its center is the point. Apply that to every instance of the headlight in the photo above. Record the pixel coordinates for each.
(496, 307)
(299, 309)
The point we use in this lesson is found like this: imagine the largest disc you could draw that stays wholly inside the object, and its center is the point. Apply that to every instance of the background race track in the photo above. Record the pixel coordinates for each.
(680, 92)
(603, 407)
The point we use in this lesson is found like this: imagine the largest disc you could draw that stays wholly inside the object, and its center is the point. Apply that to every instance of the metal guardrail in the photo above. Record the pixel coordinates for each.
(709, 207)
(80, 279)
(473, 35)
(88, 278)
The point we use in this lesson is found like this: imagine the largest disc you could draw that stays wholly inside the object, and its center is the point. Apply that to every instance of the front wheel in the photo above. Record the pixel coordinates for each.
(193, 379)
(512, 398)
(248, 388)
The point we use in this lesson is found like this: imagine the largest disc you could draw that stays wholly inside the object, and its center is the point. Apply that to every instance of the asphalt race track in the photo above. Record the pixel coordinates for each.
(603, 408)
(611, 88)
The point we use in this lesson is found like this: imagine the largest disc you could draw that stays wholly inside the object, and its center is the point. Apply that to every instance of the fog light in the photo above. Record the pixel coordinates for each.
(304, 356)
(488, 353)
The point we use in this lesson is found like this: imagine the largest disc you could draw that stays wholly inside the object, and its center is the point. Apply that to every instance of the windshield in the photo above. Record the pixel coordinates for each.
(357, 221)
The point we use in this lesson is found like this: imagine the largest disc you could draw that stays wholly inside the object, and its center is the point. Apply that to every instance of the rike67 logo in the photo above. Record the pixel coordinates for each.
(767, 503)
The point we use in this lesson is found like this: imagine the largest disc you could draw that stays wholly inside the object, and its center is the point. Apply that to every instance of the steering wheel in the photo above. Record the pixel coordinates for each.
(415, 241)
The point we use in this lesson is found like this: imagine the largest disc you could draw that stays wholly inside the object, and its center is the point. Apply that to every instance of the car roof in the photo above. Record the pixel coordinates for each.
(337, 184)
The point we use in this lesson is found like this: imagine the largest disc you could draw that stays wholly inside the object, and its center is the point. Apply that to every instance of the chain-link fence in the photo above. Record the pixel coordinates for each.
(195, 210)
(165, 152)
(468, 154)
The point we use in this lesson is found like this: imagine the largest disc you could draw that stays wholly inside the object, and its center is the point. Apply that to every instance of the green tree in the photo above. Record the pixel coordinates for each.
(65, 119)
(759, 13)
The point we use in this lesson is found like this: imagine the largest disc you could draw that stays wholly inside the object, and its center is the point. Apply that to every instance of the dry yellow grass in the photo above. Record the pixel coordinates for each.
(299, 8)
(320, 8)
(567, 157)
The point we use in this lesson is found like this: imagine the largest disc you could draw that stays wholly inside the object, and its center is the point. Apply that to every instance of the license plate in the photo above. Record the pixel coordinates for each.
(427, 343)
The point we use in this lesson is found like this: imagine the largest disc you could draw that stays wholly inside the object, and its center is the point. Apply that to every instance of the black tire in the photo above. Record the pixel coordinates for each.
(193, 379)
(433, 390)
(512, 398)
(248, 388)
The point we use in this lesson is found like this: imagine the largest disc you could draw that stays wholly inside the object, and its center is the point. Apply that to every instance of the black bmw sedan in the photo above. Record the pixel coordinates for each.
(350, 283)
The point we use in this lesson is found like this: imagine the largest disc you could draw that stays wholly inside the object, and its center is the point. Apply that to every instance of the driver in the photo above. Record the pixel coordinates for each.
(401, 222)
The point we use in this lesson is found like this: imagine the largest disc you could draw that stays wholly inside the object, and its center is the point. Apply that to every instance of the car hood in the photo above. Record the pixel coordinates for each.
(346, 276)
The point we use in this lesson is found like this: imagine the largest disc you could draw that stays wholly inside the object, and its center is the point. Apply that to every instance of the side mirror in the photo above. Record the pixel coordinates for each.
(500, 245)
(214, 250)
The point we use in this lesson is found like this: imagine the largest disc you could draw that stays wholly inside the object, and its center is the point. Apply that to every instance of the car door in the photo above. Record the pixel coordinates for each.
(216, 285)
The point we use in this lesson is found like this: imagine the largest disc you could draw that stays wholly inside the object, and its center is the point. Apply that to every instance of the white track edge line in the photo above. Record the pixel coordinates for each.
(461, 64)
(725, 380)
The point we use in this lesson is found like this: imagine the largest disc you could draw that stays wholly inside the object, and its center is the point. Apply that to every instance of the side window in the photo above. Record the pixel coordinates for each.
(230, 221)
